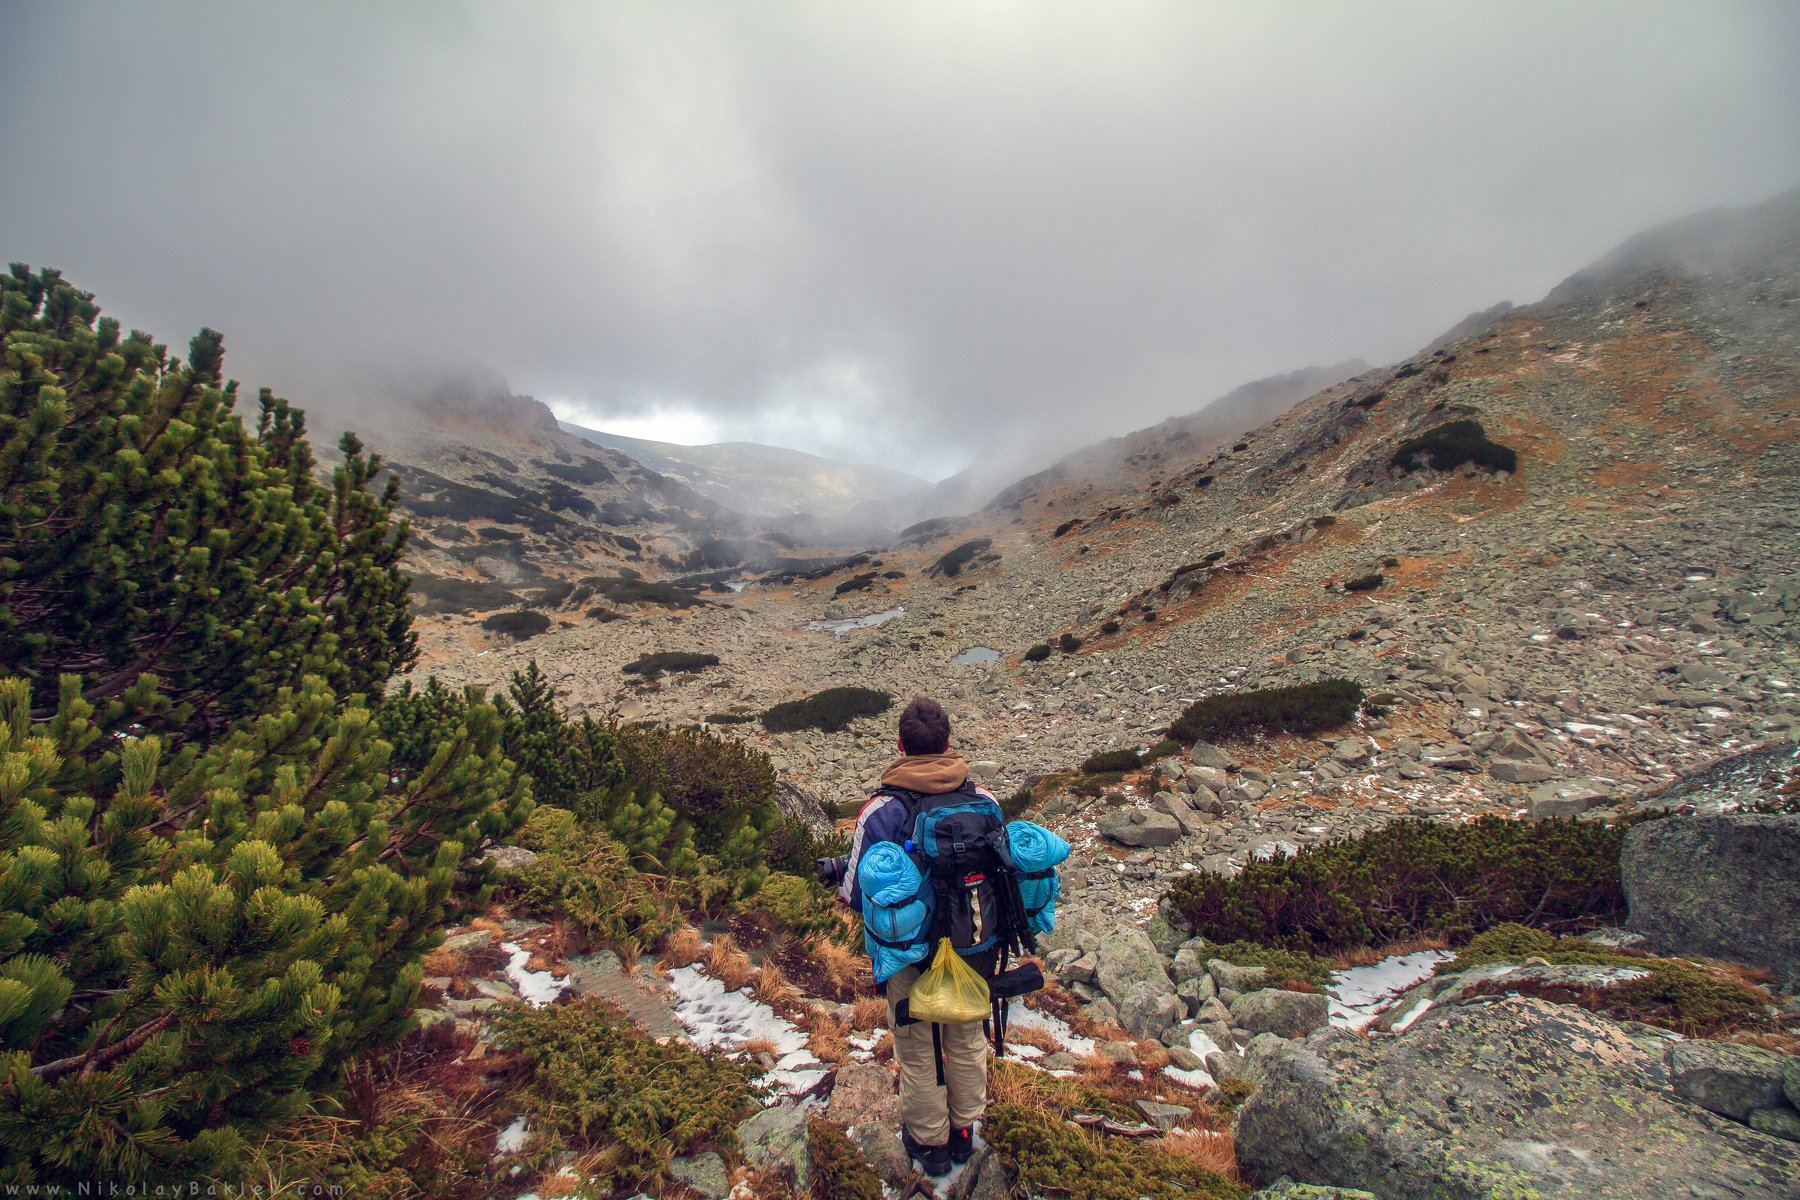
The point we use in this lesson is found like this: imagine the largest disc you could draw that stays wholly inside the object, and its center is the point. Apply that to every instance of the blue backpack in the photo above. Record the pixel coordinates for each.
(957, 876)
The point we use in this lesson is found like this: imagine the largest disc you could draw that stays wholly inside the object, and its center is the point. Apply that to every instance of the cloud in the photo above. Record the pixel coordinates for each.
(914, 234)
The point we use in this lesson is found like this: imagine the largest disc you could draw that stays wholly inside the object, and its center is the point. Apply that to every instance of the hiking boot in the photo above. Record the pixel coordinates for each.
(933, 1160)
(961, 1144)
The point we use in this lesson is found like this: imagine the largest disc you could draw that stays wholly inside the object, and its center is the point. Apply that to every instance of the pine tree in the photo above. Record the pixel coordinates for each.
(222, 855)
(145, 531)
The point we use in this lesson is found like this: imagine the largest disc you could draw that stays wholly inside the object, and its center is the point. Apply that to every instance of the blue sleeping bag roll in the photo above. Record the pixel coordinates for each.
(1037, 851)
(895, 915)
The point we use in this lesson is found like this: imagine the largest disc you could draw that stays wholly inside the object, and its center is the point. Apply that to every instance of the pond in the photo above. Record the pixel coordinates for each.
(838, 627)
(975, 654)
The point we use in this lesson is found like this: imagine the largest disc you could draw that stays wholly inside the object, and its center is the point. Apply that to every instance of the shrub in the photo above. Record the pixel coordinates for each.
(1390, 562)
(624, 589)
(839, 1169)
(1110, 628)
(604, 615)
(1162, 749)
(953, 562)
(1365, 583)
(831, 710)
(522, 624)
(856, 583)
(652, 666)
(1287, 968)
(1046, 1156)
(731, 718)
(1038, 653)
(1304, 708)
(798, 906)
(1110, 760)
(1068, 643)
(624, 1102)
(1015, 805)
(727, 789)
(1066, 526)
(1449, 446)
(1412, 879)
(585, 875)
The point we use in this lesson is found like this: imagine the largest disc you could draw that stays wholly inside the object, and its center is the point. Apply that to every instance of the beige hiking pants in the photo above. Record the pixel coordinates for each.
(927, 1109)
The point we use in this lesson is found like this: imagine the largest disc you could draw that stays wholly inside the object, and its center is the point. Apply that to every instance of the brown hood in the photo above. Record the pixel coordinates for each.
(929, 773)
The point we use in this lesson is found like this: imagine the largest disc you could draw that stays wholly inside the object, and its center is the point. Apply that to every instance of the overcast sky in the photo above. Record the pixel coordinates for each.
(909, 233)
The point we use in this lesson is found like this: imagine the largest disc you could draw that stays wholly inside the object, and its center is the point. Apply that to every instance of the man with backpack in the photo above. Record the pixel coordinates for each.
(927, 796)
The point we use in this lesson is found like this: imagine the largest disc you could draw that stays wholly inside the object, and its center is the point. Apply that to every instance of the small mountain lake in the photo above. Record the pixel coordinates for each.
(839, 626)
(975, 654)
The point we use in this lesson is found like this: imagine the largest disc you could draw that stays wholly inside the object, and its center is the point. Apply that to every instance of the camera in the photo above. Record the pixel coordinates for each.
(832, 870)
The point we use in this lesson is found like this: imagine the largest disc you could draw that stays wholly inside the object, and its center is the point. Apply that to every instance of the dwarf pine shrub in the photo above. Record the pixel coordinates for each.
(621, 1101)
(1412, 879)
(521, 624)
(1304, 708)
(1451, 445)
(955, 560)
(831, 710)
(1038, 653)
(1106, 761)
(652, 666)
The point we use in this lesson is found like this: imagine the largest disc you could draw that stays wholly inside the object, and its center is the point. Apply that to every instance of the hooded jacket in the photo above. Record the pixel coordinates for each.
(883, 818)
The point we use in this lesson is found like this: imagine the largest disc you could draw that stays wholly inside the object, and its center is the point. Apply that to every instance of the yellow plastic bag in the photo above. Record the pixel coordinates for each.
(949, 992)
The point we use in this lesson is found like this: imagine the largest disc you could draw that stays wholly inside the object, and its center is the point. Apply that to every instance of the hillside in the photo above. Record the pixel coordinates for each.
(1613, 611)
(758, 480)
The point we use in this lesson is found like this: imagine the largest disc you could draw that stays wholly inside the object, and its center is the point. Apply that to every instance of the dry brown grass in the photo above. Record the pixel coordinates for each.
(869, 1012)
(1210, 1149)
(760, 1047)
(773, 988)
(727, 963)
(827, 1037)
(884, 1048)
(1369, 956)
(451, 963)
(1032, 1035)
(843, 966)
(683, 948)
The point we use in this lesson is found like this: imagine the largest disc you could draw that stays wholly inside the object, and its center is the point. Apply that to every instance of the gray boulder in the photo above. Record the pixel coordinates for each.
(1236, 978)
(984, 1178)
(1790, 1081)
(1725, 886)
(1125, 960)
(1781, 1122)
(1150, 1010)
(1725, 1077)
(1507, 1097)
(1140, 827)
(1286, 1014)
(1569, 798)
(863, 1092)
(1287, 1189)
(1190, 960)
(1205, 754)
(777, 1136)
(1513, 770)
(705, 1173)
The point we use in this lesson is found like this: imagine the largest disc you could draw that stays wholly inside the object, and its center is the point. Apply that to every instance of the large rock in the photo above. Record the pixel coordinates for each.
(1724, 1077)
(1724, 886)
(776, 1136)
(1513, 770)
(863, 1092)
(1128, 969)
(1287, 1014)
(1511, 1097)
(705, 1173)
(1570, 798)
(1140, 827)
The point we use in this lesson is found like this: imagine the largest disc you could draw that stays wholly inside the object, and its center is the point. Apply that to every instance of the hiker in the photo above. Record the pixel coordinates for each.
(938, 1111)
(935, 865)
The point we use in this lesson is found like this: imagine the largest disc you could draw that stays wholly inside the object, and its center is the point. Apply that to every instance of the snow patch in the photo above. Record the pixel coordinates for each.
(716, 1018)
(1030, 1018)
(1357, 995)
(511, 1140)
(536, 988)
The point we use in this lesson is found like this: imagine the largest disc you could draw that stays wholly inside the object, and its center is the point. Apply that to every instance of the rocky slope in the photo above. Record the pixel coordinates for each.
(1613, 612)
(757, 480)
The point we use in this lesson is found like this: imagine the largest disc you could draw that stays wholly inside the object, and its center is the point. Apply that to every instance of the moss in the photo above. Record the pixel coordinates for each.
(1305, 708)
(839, 1169)
(652, 666)
(1230, 1094)
(625, 1103)
(1451, 445)
(1109, 761)
(1046, 1156)
(1683, 996)
(831, 710)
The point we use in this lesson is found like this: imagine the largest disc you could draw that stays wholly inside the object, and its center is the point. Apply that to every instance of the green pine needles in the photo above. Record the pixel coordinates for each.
(146, 530)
